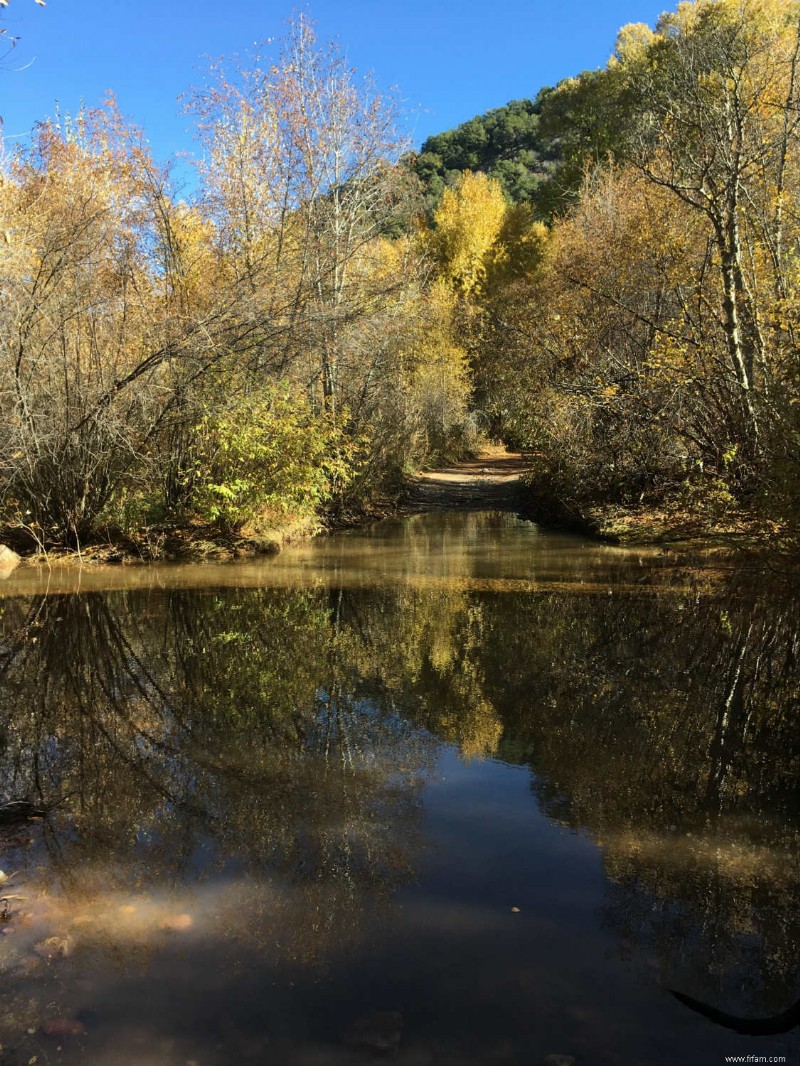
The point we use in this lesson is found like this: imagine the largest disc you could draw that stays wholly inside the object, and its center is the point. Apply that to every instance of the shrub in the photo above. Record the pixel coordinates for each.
(267, 450)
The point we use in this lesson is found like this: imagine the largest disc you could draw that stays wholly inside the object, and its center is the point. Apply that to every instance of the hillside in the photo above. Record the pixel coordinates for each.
(506, 143)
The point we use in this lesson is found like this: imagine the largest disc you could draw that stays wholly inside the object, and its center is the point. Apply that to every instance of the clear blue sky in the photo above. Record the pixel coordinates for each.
(450, 59)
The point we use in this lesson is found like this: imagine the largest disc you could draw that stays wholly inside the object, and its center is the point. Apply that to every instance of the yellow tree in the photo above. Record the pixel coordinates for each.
(718, 101)
(78, 318)
(660, 333)
(466, 226)
(482, 250)
(300, 178)
(114, 309)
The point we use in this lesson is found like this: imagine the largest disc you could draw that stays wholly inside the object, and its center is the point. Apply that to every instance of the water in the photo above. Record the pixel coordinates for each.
(445, 791)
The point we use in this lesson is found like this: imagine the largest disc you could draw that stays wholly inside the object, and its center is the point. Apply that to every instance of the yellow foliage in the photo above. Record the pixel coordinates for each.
(518, 249)
(633, 41)
(194, 264)
(438, 383)
(467, 223)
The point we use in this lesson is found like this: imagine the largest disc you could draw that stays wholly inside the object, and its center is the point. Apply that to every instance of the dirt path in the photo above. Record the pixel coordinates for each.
(491, 482)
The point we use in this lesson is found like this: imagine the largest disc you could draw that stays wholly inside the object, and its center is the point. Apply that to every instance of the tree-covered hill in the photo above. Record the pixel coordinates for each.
(507, 143)
(537, 149)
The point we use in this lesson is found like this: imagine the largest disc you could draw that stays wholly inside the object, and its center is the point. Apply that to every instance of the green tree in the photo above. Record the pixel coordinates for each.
(266, 451)
(506, 144)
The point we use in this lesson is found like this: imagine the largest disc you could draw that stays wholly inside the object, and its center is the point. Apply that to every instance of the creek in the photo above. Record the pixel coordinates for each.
(448, 790)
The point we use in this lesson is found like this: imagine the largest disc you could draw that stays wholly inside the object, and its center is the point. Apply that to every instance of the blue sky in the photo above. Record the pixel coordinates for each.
(450, 59)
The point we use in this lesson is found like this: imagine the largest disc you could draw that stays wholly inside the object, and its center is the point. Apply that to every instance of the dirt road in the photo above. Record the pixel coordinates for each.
(491, 482)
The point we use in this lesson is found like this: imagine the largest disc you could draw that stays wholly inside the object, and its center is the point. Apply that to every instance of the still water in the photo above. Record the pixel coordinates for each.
(445, 791)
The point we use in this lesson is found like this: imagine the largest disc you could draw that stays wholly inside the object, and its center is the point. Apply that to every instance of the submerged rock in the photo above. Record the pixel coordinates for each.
(380, 1032)
(19, 810)
(54, 947)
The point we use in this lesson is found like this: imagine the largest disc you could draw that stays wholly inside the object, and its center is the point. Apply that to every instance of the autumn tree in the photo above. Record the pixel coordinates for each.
(120, 322)
(651, 349)
(312, 215)
(480, 247)
(717, 85)
(300, 178)
(610, 388)
(466, 225)
(77, 324)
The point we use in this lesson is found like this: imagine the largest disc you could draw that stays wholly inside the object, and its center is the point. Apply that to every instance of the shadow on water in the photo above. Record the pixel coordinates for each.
(448, 790)
(772, 1026)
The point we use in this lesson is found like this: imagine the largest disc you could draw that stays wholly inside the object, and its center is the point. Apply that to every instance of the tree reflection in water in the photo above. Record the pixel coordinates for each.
(172, 737)
(258, 758)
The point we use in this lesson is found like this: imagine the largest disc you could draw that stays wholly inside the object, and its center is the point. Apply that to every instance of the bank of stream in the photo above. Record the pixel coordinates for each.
(493, 480)
(489, 481)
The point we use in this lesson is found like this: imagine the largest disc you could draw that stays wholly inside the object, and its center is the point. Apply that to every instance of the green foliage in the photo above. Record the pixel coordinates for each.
(505, 143)
(268, 450)
(589, 121)
(539, 150)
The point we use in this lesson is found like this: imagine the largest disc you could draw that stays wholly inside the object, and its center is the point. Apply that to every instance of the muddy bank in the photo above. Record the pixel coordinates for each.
(494, 480)
(691, 535)
(490, 482)
(188, 543)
